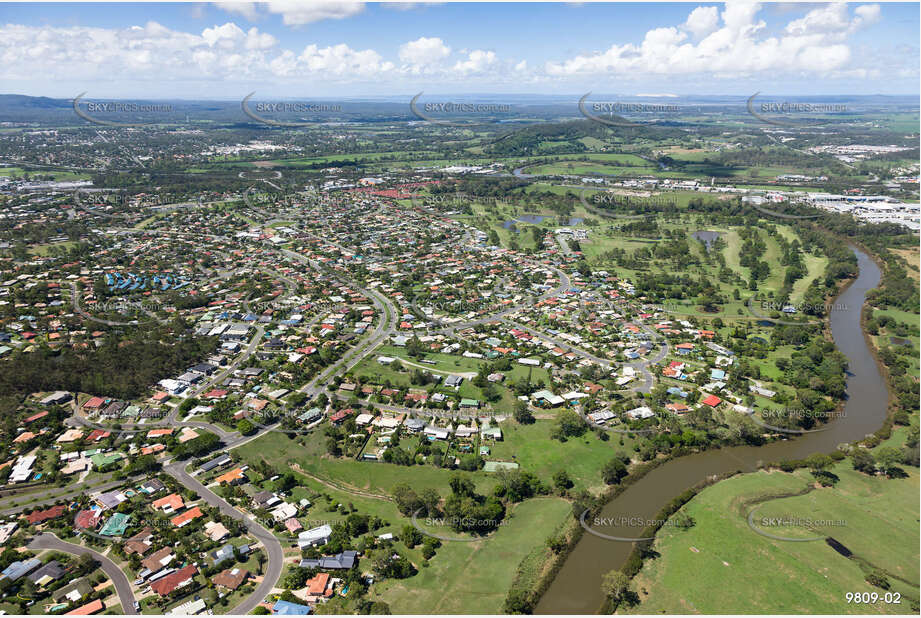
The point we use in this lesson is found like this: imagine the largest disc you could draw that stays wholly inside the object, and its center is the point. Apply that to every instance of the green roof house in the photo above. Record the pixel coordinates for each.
(116, 525)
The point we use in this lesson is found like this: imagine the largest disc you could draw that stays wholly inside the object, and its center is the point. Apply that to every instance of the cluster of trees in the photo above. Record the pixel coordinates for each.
(124, 366)
(886, 460)
(468, 511)
(196, 447)
(568, 424)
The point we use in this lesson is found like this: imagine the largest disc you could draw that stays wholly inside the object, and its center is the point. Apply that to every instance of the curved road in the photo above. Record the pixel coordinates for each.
(46, 540)
(273, 549)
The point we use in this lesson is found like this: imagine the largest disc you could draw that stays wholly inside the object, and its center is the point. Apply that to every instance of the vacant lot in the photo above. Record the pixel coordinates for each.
(474, 578)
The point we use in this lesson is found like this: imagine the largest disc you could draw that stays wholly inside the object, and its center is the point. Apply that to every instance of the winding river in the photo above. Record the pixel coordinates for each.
(577, 587)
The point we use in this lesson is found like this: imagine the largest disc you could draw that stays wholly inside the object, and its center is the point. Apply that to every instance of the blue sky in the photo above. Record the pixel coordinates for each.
(194, 50)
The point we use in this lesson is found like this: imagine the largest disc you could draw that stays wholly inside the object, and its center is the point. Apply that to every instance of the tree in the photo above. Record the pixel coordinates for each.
(683, 521)
(523, 413)
(245, 427)
(887, 458)
(410, 536)
(863, 461)
(518, 602)
(615, 585)
(569, 424)
(430, 500)
(818, 462)
(878, 578)
(406, 499)
(562, 481)
(379, 608)
(614, 471)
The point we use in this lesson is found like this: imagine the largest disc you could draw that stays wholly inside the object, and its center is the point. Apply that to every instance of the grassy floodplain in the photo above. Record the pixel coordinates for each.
(722, 566)
(463, 577)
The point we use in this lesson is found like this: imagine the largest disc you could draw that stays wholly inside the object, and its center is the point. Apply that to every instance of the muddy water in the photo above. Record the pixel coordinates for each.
(576, 589)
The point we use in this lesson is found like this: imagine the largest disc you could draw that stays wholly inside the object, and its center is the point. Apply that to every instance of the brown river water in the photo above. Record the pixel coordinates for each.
(577, 587)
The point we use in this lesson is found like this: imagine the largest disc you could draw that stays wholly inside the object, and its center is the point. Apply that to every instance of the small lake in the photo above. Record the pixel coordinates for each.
(707, 237)
(537, 219)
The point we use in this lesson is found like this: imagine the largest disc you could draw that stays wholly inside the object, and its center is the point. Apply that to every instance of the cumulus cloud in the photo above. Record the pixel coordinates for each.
(299, 13)
(296, 12)
(477, 61)
(246, 9)
(152, 52)
(703, 20)
(732, 44)
(230, 36)
(424, 52)
(342, 60)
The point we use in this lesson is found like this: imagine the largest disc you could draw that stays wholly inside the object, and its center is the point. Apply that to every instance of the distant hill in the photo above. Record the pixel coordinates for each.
(12, 102)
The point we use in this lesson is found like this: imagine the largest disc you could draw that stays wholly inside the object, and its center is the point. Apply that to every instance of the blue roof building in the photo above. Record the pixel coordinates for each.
(20, 568)
(286, 608)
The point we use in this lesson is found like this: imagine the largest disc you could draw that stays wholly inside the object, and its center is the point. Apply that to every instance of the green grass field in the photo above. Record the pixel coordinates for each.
(533, 449)
(722, 566)
(474, 578)
(463, 577)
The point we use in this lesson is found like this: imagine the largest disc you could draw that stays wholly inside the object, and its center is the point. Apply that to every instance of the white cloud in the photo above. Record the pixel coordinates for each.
(230, 36)
(703, 20)
(299, 13)
(343, 60)
(477, 61)
(424, 52)
(153, 52)
(867, 14)
(246, 9)
(296, 12)
(830, 18)
(732, 45)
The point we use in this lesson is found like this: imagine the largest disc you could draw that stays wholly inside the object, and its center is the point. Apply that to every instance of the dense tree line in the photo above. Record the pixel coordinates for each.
(123, 366)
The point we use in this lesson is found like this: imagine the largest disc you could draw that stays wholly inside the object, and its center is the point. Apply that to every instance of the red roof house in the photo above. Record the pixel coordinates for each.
(712, 401)
(171, 582)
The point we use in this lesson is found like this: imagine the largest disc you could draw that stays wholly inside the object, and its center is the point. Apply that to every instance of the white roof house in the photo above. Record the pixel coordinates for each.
(641, 412)
(315, 536)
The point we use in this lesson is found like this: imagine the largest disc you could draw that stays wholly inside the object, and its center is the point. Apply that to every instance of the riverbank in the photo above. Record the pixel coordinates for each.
(576, 588)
